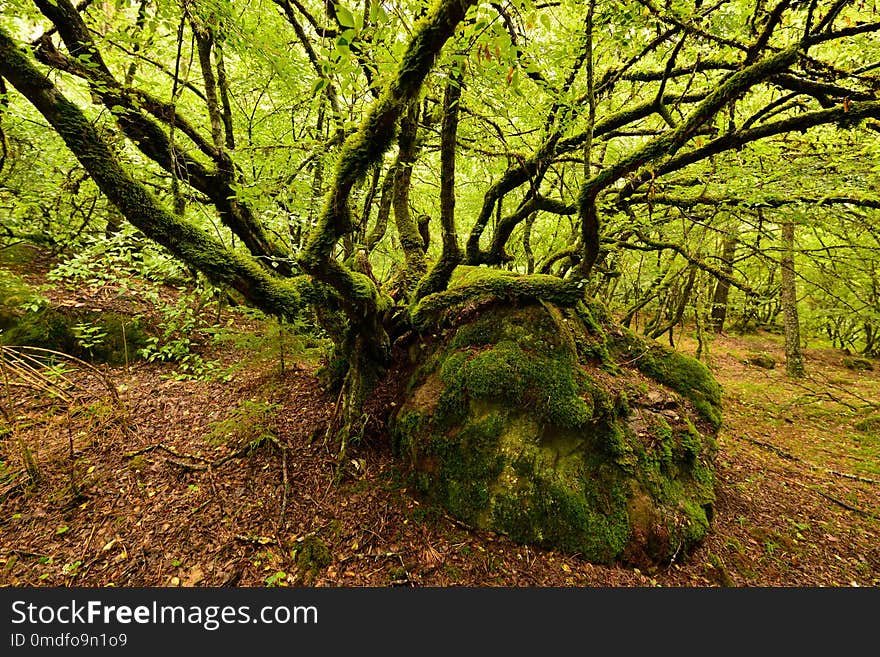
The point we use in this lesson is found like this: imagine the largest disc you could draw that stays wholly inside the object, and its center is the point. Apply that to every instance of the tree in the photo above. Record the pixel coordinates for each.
(794, 360)
(775, 70)
(289, 122)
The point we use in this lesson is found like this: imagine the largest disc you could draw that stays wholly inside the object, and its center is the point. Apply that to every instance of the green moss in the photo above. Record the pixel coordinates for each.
(120, 336)
(665, 440)
(621, 405)
(407, 426)
(761, 359)
(683, 374)
(569, 520)
(704, 477)
(463, 465)
(311, 555)
(23, 253)
(869, 425)
(531, 438)
(616, 445)
(465, 275)
(479, 283)
(477, 334)
(591, 340)
(508, 374)
(16, 298)
(691, 444)
(696, 523)
(858, 364)
(185, 240)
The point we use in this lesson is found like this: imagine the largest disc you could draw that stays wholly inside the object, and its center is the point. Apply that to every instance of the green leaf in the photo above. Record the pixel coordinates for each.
(344, 16)
(377, 13)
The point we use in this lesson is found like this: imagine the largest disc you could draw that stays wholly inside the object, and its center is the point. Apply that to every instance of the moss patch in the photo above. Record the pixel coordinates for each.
(761, 359)
(681, 373)
(16, 298)
(111, 337)
(311, 555)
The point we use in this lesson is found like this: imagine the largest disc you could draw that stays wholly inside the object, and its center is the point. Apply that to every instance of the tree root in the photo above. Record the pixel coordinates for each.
(848, 507)
(791, 457)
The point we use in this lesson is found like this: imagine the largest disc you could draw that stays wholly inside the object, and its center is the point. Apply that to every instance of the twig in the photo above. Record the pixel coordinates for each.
(772, 448)
(285, 488)
(256, 540)
(27, 553)
(846, 475)
(88, 542)
(198, 508)
(14, 486)
(165, 448)
(848, 507)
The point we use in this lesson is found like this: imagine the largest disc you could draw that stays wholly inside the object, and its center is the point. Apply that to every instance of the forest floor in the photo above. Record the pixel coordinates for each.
(213, 482)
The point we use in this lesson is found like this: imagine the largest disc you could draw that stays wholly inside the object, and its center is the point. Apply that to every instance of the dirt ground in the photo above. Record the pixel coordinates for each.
(233, 483)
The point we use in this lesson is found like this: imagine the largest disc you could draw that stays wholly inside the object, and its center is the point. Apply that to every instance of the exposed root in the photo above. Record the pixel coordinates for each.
(791, 457)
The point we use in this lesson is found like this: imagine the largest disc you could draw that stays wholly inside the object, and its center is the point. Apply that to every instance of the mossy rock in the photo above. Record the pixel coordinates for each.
(858, 364)
(557, 428)
(56, 329)
(26, 319)
(15, 297)
(762, 360)
(21, 254)
(869, 425)
(311, 555)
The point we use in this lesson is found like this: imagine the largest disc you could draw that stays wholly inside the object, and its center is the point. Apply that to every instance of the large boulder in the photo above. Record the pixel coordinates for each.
(556, 427)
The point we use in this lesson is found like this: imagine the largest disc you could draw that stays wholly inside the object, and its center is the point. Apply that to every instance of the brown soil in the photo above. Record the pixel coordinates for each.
(184, 483)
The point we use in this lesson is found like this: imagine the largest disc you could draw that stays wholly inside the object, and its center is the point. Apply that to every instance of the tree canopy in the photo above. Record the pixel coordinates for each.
(347, 159)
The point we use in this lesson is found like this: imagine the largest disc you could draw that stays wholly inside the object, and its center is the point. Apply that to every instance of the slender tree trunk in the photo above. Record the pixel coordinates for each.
(677, 314)
(386, 194)
(438, 277)
(407, 229)
(794, 362)
(527, 243)
(718, 314)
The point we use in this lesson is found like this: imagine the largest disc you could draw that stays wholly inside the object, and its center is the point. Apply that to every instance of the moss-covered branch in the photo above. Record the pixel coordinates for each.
(127, 105)
(505, 227)
(386, 195)
(438, 277)
(765, 202)
(846, 114)
(193, 246)
(671, 141)
(552, 147)
(110, 90)
(365, 147)
(648, 244)
(204, 37)
(332, 96)
(511, 179)
(411, 242)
